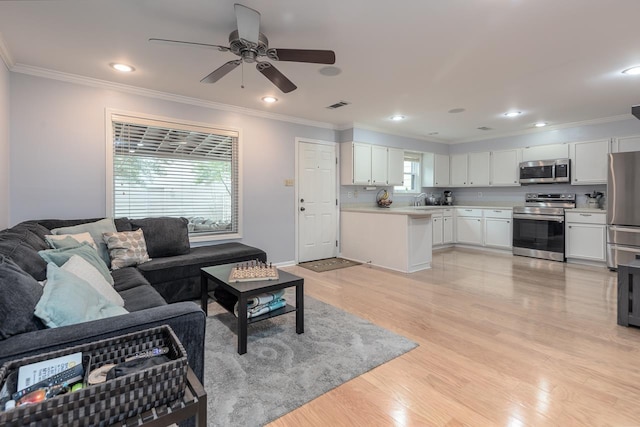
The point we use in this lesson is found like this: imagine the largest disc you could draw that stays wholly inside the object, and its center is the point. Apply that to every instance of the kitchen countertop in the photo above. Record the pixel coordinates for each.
(414, 210)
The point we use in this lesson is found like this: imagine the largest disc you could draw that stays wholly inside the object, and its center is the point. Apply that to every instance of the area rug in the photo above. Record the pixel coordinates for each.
(328, 264)
(283, 370)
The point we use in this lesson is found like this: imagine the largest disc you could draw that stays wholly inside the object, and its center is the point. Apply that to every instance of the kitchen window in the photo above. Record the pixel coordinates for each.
(162, 167)
(412, 179)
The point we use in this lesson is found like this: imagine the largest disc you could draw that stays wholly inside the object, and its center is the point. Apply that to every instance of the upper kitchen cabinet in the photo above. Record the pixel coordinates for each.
(459, 170)
(545, 152)
(366, 164)
(435, 170)
(355, 163)
(626, 144)
(504, 168)
(395, 166)
(589, 162)
(478, 172)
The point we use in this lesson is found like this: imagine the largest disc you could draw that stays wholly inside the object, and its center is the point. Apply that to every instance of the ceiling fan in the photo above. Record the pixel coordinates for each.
(250, 44)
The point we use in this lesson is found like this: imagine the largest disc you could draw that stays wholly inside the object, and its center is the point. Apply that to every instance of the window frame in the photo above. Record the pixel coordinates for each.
(400, 189)
(112, 114)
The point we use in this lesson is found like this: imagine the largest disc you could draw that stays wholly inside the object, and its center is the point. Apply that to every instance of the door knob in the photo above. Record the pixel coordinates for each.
(301, 200)
(302, 209)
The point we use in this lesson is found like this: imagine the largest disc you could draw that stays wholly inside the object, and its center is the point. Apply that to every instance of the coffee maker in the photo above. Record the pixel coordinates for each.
(448, 198)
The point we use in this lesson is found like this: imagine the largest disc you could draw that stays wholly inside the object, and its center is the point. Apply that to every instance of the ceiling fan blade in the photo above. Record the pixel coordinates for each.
(178, 42)
(248, 21)
(276, 77)
(221, 71)
(303, 55)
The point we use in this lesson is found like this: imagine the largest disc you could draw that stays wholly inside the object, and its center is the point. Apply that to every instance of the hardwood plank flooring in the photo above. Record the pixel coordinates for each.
(504, 341)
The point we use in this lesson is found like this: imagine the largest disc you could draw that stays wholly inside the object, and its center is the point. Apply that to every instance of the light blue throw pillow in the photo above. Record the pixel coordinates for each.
(95, 229)
(62, 255)
(68, 300)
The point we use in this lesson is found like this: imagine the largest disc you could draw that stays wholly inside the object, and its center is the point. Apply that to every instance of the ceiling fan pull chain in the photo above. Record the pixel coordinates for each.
(242, 83)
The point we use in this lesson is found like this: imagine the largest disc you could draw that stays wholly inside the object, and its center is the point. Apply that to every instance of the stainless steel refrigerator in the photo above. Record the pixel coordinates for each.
(623, 208)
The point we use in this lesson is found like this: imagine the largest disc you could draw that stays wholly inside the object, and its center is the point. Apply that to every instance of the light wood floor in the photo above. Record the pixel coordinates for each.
(504, 341)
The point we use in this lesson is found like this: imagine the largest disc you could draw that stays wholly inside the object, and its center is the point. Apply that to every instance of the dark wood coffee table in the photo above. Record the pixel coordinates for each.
(219, 275)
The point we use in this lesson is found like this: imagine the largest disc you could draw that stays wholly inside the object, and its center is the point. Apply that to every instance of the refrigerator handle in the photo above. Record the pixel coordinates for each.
(625, 229)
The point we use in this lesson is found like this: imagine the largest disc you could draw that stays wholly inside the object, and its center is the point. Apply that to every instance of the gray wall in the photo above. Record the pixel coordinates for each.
(4, 145)
(59, 165)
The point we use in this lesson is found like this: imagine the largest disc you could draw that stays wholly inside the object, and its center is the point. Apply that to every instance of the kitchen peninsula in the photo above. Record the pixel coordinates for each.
(396, 238)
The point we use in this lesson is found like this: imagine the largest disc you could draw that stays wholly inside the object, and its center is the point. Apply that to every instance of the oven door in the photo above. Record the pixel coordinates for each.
(539, 236)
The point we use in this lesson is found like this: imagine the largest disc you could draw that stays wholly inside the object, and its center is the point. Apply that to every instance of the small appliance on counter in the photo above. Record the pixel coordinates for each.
(593, 199)
(432, 200)
(448, 198)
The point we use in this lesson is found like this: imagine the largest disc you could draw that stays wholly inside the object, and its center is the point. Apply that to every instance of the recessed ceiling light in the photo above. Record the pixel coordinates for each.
(633, 71)
(330, 71)
(269, 99)
(457, 110)
(122, 67)
(397, 117)
(540, 124)
(513, 113)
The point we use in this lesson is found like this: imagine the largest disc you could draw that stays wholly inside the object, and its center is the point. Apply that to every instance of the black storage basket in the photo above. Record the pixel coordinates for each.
(114, 400)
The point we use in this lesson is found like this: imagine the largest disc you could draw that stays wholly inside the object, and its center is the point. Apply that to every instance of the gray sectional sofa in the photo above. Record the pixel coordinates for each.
(155, 293)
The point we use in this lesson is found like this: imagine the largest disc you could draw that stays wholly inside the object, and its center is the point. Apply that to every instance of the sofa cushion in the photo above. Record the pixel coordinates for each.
(25, 235)
(141, 298)
(62, 255)
(122, 224)
(69, 300)
(127, 278)
(24, 256)
(34, 227)
(126, 248)
(19, 294)
(165, 236)
(95, 229)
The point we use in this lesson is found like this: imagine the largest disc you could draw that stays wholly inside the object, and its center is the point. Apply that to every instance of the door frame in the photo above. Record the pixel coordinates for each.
(296, 203)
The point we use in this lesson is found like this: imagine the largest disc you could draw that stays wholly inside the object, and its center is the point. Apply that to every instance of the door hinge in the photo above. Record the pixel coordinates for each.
(336, 243)
(336, 202)
(336, 160)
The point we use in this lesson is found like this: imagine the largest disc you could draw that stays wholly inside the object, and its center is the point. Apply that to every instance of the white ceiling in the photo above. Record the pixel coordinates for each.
(557, 61)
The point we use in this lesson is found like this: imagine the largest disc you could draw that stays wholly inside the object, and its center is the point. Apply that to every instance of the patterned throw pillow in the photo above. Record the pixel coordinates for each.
(126, 248)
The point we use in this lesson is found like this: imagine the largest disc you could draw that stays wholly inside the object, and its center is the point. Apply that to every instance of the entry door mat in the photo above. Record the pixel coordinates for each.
(283, 370)
(328, 264)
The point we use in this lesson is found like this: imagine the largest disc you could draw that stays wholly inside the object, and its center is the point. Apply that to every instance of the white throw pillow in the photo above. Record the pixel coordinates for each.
(80, 267)
(63, 240)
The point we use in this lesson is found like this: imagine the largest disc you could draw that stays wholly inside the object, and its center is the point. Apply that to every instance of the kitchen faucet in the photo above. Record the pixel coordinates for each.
(416, 199)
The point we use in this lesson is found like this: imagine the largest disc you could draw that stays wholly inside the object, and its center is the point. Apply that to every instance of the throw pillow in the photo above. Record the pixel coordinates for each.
(62, 255)
(19, 294)
(126, 248)
(68, 300)
(87, 272)
(164, 236)
(57, 241)
(95, 229)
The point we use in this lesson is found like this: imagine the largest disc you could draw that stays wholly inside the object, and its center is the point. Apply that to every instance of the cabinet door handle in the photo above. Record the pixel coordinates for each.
(302, 209)
(583, 214)
(569, 226)
(471, 183)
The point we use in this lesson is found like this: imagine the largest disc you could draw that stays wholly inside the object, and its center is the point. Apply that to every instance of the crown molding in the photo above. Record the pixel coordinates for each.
(5, 55)
(104, 84)
(549, 128)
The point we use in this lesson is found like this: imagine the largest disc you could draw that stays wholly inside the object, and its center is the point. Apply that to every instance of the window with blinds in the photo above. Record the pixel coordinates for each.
(412, 179)
(177, 170)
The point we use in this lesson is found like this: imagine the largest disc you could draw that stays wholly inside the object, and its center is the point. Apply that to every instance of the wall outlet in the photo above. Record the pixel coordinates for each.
(289, 182)
(479, 193)
(349, 195)
(355, 194)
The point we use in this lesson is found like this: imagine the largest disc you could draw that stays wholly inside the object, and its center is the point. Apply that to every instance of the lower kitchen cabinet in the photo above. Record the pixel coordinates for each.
(586, 236)
(447, 227)
(438, 229)
(498, 228)
(469, 230)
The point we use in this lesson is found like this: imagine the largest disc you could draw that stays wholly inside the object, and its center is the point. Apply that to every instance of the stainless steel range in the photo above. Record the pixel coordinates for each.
(538, 226)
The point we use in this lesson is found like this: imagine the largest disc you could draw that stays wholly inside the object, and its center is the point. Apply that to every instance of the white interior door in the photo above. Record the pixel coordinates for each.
(317, 201)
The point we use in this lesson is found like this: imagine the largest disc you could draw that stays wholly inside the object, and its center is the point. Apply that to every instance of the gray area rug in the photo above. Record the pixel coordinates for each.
(283, 370)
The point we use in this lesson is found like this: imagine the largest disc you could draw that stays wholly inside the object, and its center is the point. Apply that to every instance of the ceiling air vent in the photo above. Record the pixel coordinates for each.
(484, 128)
(338, 105)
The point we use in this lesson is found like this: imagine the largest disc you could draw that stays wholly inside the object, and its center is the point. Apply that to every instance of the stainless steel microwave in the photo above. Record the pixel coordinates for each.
(545, 171)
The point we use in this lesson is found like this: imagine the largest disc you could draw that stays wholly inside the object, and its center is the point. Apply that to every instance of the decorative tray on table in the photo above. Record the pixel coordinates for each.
(253, 271)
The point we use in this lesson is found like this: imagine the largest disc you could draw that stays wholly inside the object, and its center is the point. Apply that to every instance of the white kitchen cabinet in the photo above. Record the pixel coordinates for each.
(545, 152)
(447, 226)
(395, 166)
(438, 229)
(435, 170)
(504, 168)
(478, 165)
(469, 226)
(498, 228)
(589, 162)
(459, 170)
(379, 165)
(355, 163)
(585, 236)
(626, 144)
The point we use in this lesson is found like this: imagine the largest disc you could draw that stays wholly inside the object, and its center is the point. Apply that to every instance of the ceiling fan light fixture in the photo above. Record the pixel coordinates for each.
(633, 71)
(397, 117)
(512, 113)
(269, 99)
(123, 68)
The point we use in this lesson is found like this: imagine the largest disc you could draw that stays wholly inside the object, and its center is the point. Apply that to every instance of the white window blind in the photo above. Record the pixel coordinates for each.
(412, 180)
(172, 169)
